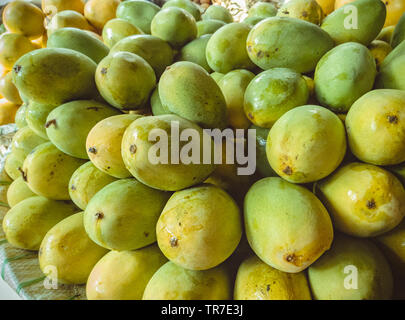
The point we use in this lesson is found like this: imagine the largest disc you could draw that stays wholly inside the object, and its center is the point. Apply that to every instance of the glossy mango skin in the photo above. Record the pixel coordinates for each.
(47, 170)
(258, 281)
(99, 12)
(138, 12)
(370, 21)
(391, 70)
(85, 182)
(123, 215)
(187, 5)
(103, 144)
(330, 274)
(12, 47)
(68, 248)
(68, 18)
(269, 44)
(8, 90)
(156, 104)
(172, 282)
(306, 10)
(36, 115)
(53, 6)
(398, 34)
(24, 141)
(194, 51)
(272, 93)
(379, 50)
(118, 29)
(262, 9)
(18, 191)
(217, 12)
(208, 26)
(286, 225)
(12, 166)
(20, 118)
(377, 138)
(34, 213)
(343, 75)
(136, 268)
(364, 200)
(55, 75)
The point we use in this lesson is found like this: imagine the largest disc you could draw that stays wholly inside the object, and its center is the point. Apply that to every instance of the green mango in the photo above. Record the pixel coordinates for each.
(8, 90)
(392, 69)
(194, 51)
(217, 76)
(68, 248)
(187, 5)
(353, 269)
(272, 93)
(37, 214)
(117, 29)
(343, 75)
(47, 170)
(24, 141)
(36, 117)
(359, 21)
(18, 191)
(252, 21)
(138, 12)
(20, 116)
(78, 40)
(13, 166)
(269, 44)
(399, 32)
(286, 224)
(76, 117)
(208, 26)
(262, 164)
(156, 104)
(217, 12)
(386, 34)
(262, 9)
(123, 215)
(188, 91)
(55, 75)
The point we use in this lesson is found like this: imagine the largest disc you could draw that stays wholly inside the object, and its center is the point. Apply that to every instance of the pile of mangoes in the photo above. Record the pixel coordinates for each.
(323, 89)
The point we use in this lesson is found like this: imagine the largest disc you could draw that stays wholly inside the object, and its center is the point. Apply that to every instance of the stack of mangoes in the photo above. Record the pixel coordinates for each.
(323, 90)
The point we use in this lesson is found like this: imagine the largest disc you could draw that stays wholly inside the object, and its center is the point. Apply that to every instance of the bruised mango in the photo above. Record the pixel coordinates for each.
(194, 51)
(36, 115)
(308, 10)
(117, 29)
(138, 12)
(217, 12)
(18, 191)
(24, 141)
(12, 47)
(208, 26)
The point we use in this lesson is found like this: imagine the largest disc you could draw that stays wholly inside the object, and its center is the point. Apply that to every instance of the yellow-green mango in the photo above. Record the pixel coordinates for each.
(194, 51)
(187, 90)
(343, 75)
(262, 164)
(217, 12)
(359, 21)
(379, 50)
(24, 141)
(392, 70)
(12, 47)
(123, 215)
(55, 75)
(20, 116)
(49, 6)
(286, 224)
(8, 90)
(18, 191)
(258, 281)
(68, 19)
(269, 44)
(252, 21)
(353, 269)
(187, 5)
(386, 34)
(13, 166)
(307, 10)
(208, 26)
(117, 29)
(217, 76)
(398, 34)
(47, 170)
(36, 115)
(364, 200)
(68, 248)
(138, 12)
(156, 104)
(262, 9)
(135, 270)
(27, 223)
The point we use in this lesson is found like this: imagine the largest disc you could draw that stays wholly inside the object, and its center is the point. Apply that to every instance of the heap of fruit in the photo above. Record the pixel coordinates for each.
(321, 218)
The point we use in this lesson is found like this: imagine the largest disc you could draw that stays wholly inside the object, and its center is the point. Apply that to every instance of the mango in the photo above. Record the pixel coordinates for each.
(398, 34)
(55, 75)
(353, 269)
(67, 248)
(391, 70)
(8, 111)
(136, 269)
(156, 104)
(12, 166)
(208, 26)
(123, 215)
(386, 34)
(99, 12)
(50, 7)
(343, 75)
(217, 12)
(258, 281)
(20, 119)
(194, 51)
(68, 19)
(12, 47)
(217, 76)
(188, 91)
(18, 191)
(252, 21)
(34, 213)
(24, 141)
(379, 50)
(364, 200)
(47, 170)
(262, 164)
(118, 29)
(272, 93)
(187, 5)
(307, 10)
(138, 12)
(125, 80)
(8, 89)
(327, 6)
(36, 115)
(269, 44)
(286, 224)
(262, 9)
(85, 182)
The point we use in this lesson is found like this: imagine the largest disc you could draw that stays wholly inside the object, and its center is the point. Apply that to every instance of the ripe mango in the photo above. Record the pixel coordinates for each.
(194, 51)
(307, 10)
(187, 5)
(379, 50)
(138, 12)
(68, 18)
(327, 6)
(217, 12)
(118, 29)
(8, 111)
(24, 141)
(99, 12)
(12, 166)
(12, 47)
(8, 90)
(50, 7)
(18, 191)
(36, 115)
(208, 26)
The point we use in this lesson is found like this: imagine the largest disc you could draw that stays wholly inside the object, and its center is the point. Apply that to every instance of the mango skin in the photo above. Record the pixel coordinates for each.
(189, 227)
(156, 104)
(80, 41)
(47, 170)
(36, 115)
(68, 248)
(163, 176)
(379, 50)
(208, 26)
(49, 6)
(305, 10)
(24, 141)
(12, 166)
(99, 12)
(118, 29)
(262, 9)
(391, 70)
(327, 275)
(85, 182)
(8, 90)
(187, 5)
(8, 111)
(172, 282)
(188, 91)
(55, 75)
(125, 80)
(68, 18)
(399, 32)
(34, 213)
(269, 44)
(194, 51)
(20, 118)
(103, 144)
(378, 138)
(286, 225)
(123, 215)
(136, 269)
(343, 75)
(327, 6)
(217, 12)
(258, 281)
(370, 21)
(306, 144)
(138, 12)
(364, 200)
(262, 164)
(272, 93)
(12, 47)
(18, 191)
(386, 34)
(252, 21)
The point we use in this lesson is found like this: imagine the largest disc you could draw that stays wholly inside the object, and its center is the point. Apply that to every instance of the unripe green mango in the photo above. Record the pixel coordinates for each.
(208, 26)
(18, 191)
(386, 34)
(217, 76)
(262, 164)
(20, 116)
(359, 21)
(392, 69)
(27, 223)
(24, 141)
(188, 91)
(262, 9)
(118, 29)
(156, 104)
(269, 44)
(194, 51)
(55, 75)
(399, 32)
(78, 40)
(252, 21)
(187, 5)
(217, 12)
(12, 166)
(68, 248)
(36, 117)
(138, 12)
(343, 75)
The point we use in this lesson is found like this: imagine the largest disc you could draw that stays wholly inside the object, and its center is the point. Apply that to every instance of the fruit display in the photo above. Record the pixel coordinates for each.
(176, 150)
